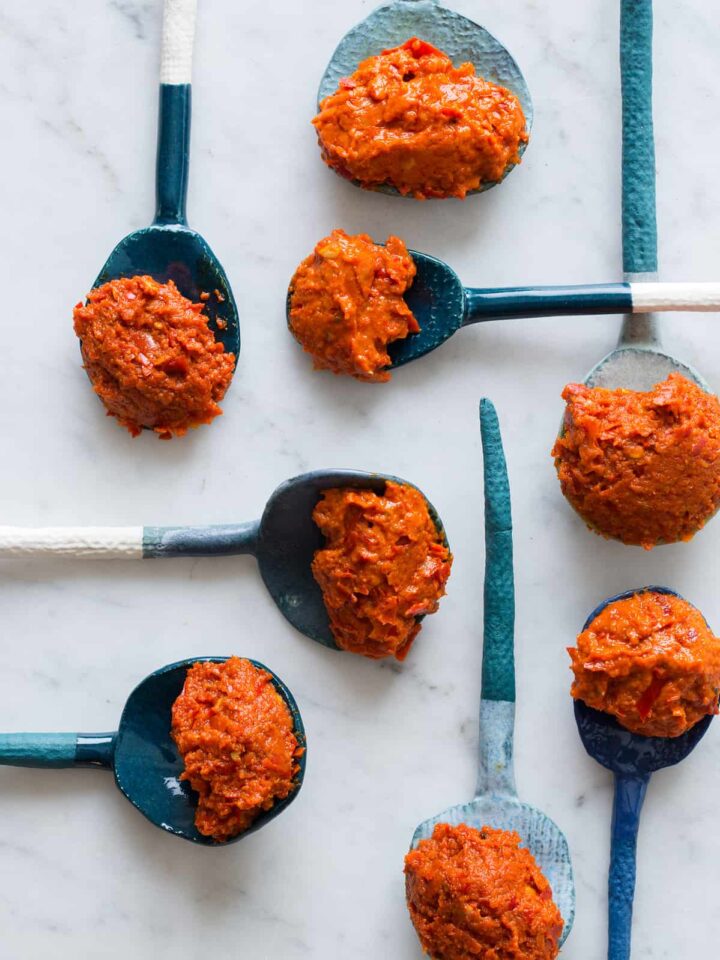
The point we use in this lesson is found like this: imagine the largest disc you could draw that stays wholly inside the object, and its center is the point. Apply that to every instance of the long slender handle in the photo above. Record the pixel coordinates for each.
(516, 302)
(638, 143)
(629, 797)
(497, 707)
(128, 543)
(57, 749)
(173, 153)
(639, 220)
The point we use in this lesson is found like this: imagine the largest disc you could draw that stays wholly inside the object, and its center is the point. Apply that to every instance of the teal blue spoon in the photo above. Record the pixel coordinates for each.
(442, 305)
(633, 759)
(169, 249)
(283, 541)
(496, 803)
(143, 755)
(461, 39)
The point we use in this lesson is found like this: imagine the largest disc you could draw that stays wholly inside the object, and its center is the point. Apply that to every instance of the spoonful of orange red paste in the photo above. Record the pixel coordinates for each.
(151, 357)
(207, 749)
(408, 119)
(352, 560)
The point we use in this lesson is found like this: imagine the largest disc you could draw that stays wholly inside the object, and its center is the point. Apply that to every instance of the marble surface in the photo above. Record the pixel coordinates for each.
(82, 874)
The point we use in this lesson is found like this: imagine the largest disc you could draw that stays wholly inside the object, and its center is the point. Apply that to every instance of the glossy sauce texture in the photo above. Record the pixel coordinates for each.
(346, 303)
(384, 566)
(151, 356)
(643, 468)
(235, 735)
(409, 118)
(476, 894)
(652, 662)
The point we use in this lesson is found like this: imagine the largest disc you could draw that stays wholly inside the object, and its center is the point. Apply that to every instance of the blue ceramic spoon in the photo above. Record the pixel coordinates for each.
(632, 758)
(169, 249)
(496, 803)
(638, 362)
(442, 305)
(142, 754)
(462, 40)
(283, 541)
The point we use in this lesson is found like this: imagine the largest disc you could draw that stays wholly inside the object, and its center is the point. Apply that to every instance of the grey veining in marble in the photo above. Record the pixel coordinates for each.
(391, 743)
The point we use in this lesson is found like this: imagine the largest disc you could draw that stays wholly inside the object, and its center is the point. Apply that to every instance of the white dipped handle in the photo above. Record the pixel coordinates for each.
(177, 41)
(656, 297)
(79, 543)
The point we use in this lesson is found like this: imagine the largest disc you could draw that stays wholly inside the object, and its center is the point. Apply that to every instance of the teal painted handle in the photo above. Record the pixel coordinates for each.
(638, 151)
(498, 681)
(173, 154)
(56, 749)
(556, 301)
(220, 540)
(497, 706)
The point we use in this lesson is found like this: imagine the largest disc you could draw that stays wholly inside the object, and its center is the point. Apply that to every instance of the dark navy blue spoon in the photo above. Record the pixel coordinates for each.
(169, 249)
(442, 305)
(283, 541)
(633, 759)
(143, 755)
(461, 39)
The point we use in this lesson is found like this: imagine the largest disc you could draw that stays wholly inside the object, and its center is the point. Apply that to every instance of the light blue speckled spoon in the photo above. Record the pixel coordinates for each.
(462, 40)
(496, 803)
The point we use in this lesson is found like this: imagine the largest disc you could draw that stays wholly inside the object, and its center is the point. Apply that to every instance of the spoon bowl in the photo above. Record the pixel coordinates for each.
(143, 755)
(541, 835)
(175, 252)
(496, 803)
(460, 38)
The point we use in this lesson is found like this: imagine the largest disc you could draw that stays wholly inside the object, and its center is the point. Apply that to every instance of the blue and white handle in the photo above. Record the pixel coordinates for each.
(629, 797)
(128, 543)
(638, 297)
(173, 153)
(497, 706)
(57, 749)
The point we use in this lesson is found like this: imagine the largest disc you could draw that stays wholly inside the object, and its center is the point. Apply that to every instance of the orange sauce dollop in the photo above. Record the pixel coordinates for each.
(478, 894)
(409, 118)
(346, 303)
(384, 566)
(151, 356)
(236, 737)
(652, 662)
(642, 467)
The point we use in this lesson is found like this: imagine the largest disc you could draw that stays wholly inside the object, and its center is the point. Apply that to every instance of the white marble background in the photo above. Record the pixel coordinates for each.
(82, 875)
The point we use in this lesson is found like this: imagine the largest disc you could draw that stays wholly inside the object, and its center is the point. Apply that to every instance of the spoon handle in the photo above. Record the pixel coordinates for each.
(173, 151)
(556, 301)
(629, 797)
(639, 220)
(128, 543)
(57, 749)
(497, 706)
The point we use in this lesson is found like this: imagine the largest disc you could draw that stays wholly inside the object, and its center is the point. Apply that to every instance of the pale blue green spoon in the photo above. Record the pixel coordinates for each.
(143, 755)
(461, 39)
(496, 803)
